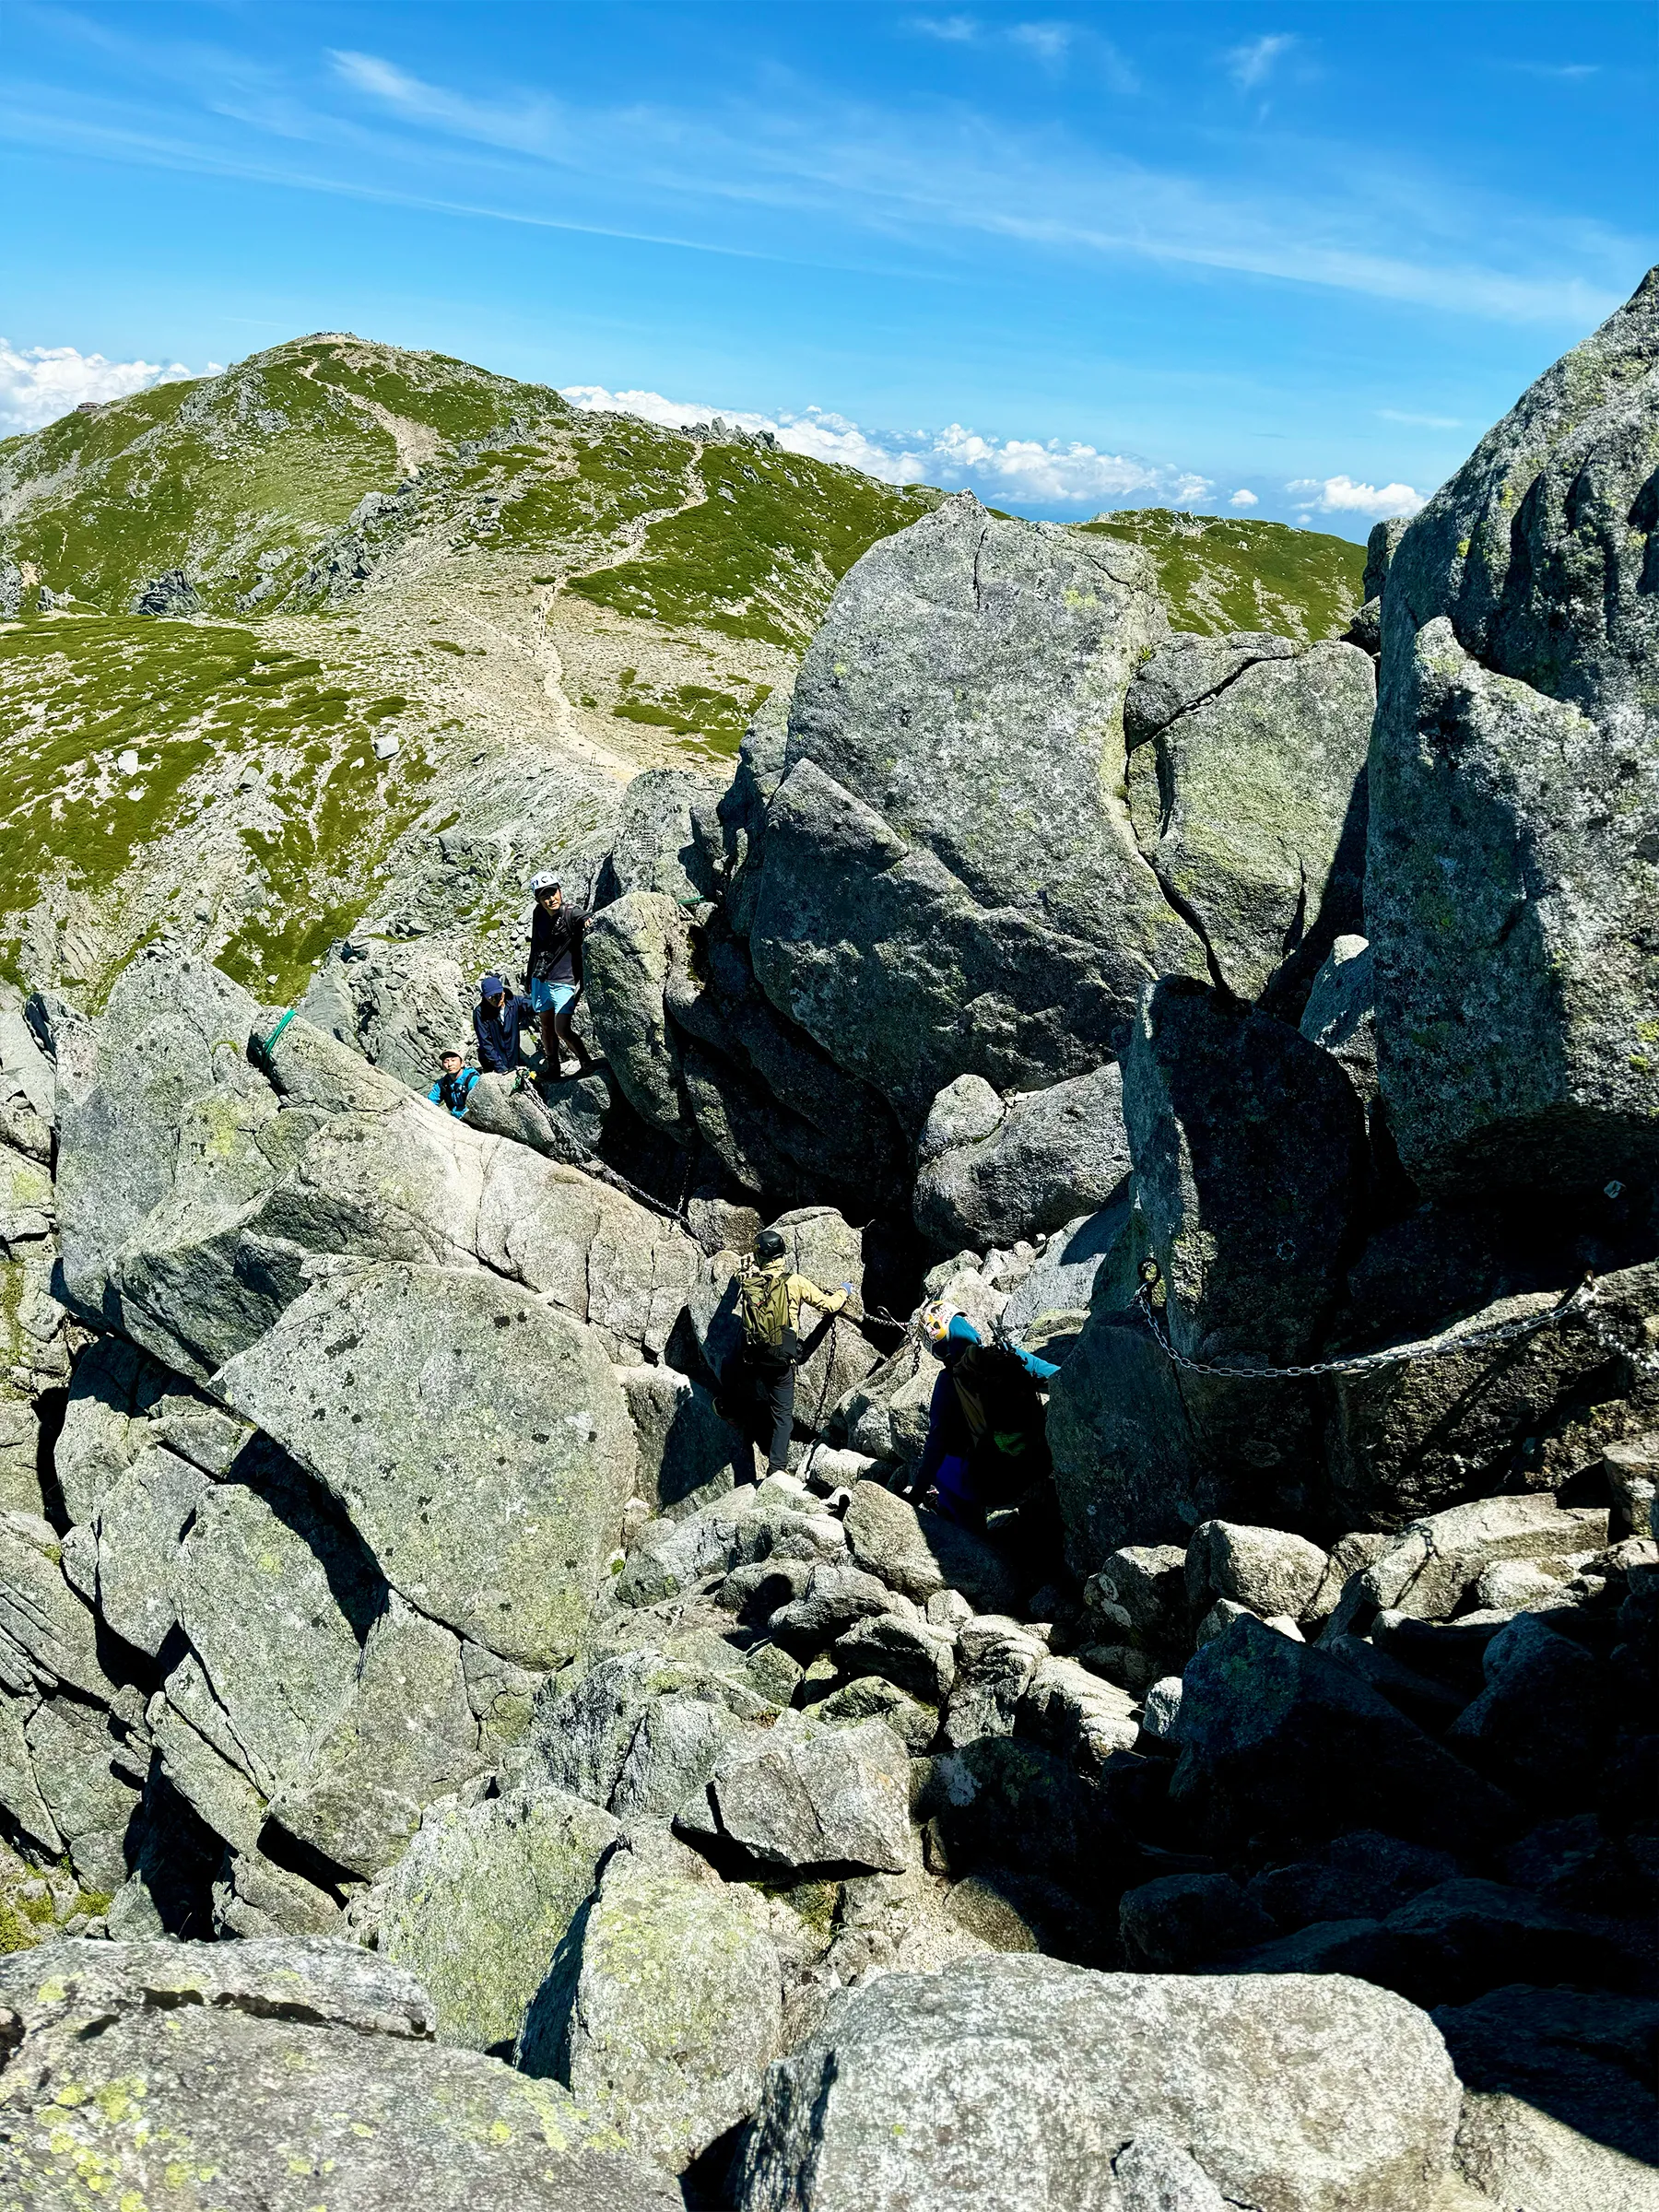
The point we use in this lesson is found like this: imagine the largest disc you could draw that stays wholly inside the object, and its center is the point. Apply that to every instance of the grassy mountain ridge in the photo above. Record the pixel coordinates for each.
(337, 542)
(1221, 572)
(531, 600)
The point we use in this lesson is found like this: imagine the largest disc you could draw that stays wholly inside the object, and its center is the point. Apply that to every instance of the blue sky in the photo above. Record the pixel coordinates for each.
(1077, 258)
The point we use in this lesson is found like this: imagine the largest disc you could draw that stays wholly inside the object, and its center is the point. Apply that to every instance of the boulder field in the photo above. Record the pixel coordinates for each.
(432, 1770)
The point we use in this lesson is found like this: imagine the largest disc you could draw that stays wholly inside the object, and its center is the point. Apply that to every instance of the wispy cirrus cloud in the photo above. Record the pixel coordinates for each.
(841, 183)
(953, 30)
(1251, 65)
(1028, 472)
(1421, 422)
(1051, 42)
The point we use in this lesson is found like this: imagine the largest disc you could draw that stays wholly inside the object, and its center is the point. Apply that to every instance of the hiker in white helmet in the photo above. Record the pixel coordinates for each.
(555, 977)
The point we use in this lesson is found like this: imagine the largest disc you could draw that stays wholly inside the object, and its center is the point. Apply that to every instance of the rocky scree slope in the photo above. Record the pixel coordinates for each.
(1265, 1818)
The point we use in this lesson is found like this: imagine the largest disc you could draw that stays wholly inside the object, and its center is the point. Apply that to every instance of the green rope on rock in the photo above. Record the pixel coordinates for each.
(264, 1046)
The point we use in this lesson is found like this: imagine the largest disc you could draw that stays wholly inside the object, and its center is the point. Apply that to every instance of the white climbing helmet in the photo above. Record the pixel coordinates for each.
(544, 882)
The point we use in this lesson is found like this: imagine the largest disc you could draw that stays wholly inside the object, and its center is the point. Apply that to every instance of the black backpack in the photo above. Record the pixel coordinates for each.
(998, 1397)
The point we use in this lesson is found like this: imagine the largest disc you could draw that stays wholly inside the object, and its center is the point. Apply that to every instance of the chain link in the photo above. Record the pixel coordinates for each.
(1649, 1361)
(1394, 1355)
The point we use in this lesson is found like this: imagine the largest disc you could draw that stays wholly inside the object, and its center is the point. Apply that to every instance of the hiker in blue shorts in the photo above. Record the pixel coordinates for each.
(555, 975)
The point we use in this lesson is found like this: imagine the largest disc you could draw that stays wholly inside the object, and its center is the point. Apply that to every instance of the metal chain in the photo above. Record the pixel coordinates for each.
(1647, 1360)
(1396, 1355)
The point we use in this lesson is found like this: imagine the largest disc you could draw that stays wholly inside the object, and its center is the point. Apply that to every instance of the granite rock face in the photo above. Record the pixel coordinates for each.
(282, 2067)
(949, 884)
(372, 1381)
(477, 1906)
(400, 1005)
(1514, 792)
(994, 1170)
(1251, 1169)
(1018, 2080)
(194, 1203)
(1249, 805)
(662, 2013)
(1276, 1738)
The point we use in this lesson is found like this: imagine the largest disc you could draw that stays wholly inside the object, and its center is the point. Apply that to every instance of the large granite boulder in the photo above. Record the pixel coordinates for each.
(662, 2011)
(1278, 1740)
(775, 1108)
(289, 2071)
(699, 1051)
(1249, 805)
(478, 1905)
(1018, 2081)
(991, 1170)
(399, 1003)
(1250, 1167)
(1341, 1013)
(192, 1205)
(1558, 2106)
(274, 1595)
(804, 1796)
(639, 1734)
(688, 1455)
(1429, 1434)
(654, 846)
(949, 884)
(406, 1734)
(174, 1031)
(90, 1776)
(139, 1527)
(476, 1436)
(1513, 859)
(1191, 669)
(627, 953)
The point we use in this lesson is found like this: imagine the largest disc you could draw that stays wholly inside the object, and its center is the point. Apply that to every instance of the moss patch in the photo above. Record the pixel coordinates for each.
(188, 701)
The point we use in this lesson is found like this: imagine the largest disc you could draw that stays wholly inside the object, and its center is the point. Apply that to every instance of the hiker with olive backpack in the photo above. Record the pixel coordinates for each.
(757, 1384)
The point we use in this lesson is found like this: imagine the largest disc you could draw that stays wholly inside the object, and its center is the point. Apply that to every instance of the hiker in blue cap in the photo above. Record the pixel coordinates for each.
(498, 1017)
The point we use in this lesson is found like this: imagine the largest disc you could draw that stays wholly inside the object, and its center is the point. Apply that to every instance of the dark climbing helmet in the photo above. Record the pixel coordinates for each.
(769, 1245)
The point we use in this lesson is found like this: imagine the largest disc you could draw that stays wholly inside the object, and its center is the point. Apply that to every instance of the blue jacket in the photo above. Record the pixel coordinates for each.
(497, 1034)
(948, 1433)
(451, 1090)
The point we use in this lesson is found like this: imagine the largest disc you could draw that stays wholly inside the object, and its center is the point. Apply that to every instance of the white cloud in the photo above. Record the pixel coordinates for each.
(1422, 422)
(1243, 497)
(955, 31)
(1253, 65)
(1049, 41)
(40, 382)
(1341, 495)
(1027, 470)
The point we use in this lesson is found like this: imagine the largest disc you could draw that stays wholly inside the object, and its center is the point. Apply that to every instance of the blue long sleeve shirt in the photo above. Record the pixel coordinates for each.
(451, 1090)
